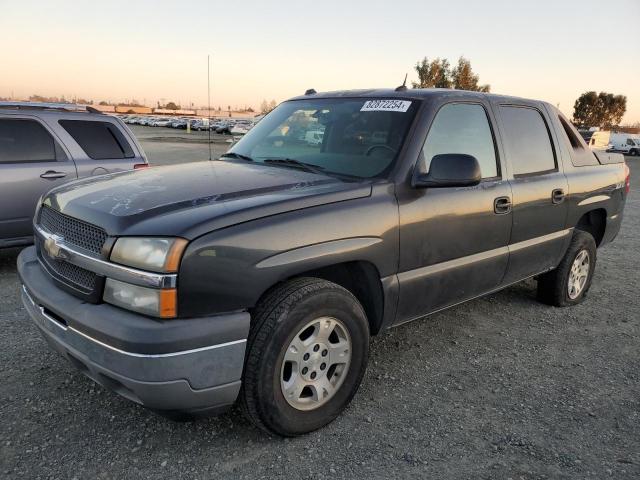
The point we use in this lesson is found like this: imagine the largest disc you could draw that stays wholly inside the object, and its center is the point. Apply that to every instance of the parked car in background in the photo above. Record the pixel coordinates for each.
(162, 122)
(224, 128)
(44, 145)
(616, 142)
(241, 127)
(262, 276)
(178, 122)
(200, 124)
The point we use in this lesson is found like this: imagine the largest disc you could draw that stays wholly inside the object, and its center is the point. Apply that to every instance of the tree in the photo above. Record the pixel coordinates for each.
(599, 110)
(440, 74)
(266, 107)
(464, 79)
(172, 106)
(433, 74)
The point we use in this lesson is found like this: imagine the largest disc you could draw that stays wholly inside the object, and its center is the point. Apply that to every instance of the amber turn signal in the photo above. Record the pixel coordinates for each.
(168, 303)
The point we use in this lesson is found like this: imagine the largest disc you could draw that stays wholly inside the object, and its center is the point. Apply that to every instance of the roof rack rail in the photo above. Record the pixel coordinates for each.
(68, 107)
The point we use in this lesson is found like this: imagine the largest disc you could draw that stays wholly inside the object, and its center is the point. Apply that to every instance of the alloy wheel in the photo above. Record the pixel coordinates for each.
(578, 274)
(315, 363)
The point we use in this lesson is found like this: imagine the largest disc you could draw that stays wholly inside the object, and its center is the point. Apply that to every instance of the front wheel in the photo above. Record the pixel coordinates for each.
(569, 282)
(306, 356)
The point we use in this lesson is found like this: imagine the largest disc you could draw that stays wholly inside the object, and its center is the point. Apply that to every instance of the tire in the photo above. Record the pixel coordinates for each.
(553, 287)
(633, 152)
(282, 318)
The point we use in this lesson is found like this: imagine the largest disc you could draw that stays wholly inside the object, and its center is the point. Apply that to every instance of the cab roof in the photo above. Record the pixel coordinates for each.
(409, 93)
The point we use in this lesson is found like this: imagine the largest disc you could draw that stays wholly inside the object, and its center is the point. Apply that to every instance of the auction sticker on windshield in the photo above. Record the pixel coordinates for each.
(386, 106)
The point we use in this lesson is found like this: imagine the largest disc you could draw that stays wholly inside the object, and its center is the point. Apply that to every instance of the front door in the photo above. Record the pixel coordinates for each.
(453, 241)
(31, 163)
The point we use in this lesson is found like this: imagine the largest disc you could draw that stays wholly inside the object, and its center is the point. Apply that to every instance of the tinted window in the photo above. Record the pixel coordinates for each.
(100, 140)
(571, 135)
(630, 142)
(25, 141)
(462, 128)
(527, 140)
(572, 147)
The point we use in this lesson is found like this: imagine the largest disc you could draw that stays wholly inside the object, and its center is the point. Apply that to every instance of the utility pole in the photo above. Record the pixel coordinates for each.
(209, 104)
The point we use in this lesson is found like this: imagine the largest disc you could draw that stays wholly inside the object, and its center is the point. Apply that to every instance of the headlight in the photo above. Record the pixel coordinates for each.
(148, 301)
(153, 253)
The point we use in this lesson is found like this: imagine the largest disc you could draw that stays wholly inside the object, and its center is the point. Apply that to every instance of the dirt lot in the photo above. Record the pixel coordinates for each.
(501, 387)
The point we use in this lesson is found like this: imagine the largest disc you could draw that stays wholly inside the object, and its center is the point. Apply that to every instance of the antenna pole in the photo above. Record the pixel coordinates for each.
(209, 105)
(404, 84)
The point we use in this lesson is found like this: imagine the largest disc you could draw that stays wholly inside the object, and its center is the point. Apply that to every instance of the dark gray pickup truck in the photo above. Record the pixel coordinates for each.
(260, 277)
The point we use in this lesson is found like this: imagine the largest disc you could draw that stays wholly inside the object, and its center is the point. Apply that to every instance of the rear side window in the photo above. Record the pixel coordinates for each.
(580, 155)
(462, 128)
(27, 141)
(99, 140)
(527, 141)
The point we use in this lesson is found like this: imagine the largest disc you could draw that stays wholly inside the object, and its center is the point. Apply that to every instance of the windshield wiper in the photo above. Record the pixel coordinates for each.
(293, 163)
(237, 155)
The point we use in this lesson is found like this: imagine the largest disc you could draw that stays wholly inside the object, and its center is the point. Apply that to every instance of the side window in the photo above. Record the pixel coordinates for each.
(579, 155)
(462, 128)
(527, 141)
(630, 142)
(100, 140)
(24, 140)
(571, 136)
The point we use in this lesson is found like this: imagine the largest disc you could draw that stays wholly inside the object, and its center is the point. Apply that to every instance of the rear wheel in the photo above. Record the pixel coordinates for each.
(569, 282)
(307, 352)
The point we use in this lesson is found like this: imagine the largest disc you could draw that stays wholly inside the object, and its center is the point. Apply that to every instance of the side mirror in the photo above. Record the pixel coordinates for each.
(449, 170)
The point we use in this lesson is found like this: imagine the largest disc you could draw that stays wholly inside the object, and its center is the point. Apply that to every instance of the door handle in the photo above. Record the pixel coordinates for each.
(502, 205)
(52, 175)
(557, 196)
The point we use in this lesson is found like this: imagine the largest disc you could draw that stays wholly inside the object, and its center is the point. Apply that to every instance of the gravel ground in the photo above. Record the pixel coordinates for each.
(502, 387)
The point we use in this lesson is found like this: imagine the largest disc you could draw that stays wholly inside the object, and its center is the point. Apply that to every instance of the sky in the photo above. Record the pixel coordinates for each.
(157, 50)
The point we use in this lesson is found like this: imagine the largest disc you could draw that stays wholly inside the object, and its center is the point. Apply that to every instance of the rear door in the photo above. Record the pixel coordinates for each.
(32, 162)
(539, 186)
(105, 146)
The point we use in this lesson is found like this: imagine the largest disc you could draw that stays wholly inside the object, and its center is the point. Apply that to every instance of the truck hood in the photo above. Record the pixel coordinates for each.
(189, 200)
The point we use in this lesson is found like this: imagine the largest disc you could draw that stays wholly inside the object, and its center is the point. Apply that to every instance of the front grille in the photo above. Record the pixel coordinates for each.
(74, 231)
(77, 280)
(68, 272)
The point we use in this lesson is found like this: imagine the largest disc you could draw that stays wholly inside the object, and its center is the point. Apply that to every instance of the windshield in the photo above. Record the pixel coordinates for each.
(353, 137)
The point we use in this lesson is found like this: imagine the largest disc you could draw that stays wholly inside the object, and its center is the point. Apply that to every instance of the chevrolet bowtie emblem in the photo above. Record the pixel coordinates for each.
(53, 247)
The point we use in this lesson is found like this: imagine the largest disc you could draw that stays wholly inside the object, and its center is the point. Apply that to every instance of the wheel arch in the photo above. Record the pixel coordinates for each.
(594, 222)
(359, 277)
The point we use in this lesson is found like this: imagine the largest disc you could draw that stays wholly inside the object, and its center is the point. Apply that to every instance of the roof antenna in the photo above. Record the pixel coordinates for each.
(403, 87)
